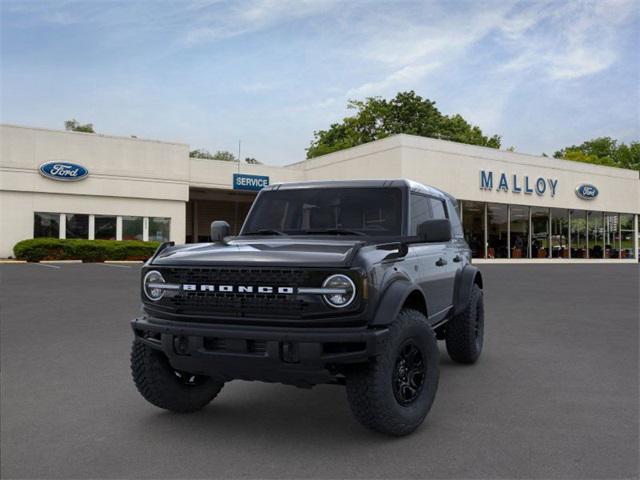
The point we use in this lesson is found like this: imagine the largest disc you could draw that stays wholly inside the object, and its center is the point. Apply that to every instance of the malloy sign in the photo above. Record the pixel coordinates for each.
(518, 183)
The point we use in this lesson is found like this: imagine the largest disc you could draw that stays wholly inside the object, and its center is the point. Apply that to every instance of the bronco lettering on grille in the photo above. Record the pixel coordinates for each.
(192, 287)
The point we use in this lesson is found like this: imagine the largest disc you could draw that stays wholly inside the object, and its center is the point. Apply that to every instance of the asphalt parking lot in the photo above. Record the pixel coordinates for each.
(555, 394)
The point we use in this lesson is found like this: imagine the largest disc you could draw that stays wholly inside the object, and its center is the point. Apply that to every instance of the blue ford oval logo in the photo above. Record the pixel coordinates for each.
(586, 191)
(64, 171)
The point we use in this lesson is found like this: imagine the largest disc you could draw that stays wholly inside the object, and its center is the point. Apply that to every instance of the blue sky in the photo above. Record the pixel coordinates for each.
(542, 74)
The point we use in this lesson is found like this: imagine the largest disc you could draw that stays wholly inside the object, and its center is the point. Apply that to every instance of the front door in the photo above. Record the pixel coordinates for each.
(434, 264)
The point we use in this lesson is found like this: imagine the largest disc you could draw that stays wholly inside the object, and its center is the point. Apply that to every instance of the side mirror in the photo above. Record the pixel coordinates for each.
(436, 230)
(219, 230)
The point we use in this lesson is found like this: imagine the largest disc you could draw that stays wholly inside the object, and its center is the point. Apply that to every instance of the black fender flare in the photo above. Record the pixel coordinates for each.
(391, 301)
(465, 279)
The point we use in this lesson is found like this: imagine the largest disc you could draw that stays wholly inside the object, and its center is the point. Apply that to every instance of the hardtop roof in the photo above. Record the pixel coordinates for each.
(399, 182)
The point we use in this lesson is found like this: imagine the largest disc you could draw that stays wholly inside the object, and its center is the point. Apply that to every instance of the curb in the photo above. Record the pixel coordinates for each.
(7, 261)
(140, 262)
(60, 261)
(554, 261)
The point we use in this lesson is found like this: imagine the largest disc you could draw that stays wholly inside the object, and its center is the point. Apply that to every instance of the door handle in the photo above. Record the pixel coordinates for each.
(441, 262)
(457, 258)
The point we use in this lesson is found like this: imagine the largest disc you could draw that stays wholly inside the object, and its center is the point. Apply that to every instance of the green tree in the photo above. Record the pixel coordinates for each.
(219, 155)
(377, 118)
(252, 161)
(201, 153)
(224, 155)
(75, 126)
(604, 151)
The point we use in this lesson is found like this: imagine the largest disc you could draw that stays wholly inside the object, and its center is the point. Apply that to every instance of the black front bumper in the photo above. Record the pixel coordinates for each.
(299, 356)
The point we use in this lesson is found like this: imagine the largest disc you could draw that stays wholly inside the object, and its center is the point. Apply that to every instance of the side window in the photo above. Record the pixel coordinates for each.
(420, 211)
(437, 207)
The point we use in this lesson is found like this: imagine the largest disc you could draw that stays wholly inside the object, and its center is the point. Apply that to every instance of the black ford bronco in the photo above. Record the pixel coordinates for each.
(346, 282)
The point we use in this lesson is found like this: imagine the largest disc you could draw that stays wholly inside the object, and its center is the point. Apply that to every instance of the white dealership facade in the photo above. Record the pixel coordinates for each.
(514, 207)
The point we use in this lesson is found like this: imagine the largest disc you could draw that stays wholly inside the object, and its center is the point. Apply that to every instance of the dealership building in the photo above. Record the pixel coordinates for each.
(514, 207)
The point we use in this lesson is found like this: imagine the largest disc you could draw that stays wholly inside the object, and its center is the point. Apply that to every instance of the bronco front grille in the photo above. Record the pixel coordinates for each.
(243, 304)
(292, 277)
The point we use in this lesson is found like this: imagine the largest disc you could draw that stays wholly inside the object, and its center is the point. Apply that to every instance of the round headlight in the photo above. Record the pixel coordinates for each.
(343, 290)
(152, 285)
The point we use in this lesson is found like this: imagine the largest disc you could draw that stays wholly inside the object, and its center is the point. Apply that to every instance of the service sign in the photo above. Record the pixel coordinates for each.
(63, 171)
(242, 181)
(586, 191)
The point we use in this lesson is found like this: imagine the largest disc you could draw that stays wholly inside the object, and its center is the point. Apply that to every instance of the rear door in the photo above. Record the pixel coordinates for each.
(451, 253)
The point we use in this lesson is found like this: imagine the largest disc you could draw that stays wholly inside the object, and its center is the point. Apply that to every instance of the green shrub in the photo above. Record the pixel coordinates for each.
(37, 249)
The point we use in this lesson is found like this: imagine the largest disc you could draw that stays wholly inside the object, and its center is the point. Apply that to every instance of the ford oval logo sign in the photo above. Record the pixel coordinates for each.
(63, 171)
(586, 191)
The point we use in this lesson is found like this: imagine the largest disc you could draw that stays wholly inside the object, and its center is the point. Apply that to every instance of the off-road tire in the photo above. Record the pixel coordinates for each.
(159, 384)
(464, 333)
(370, 388)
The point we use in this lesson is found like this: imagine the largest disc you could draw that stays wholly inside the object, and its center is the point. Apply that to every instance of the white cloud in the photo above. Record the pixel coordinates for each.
(245, 17)
(405, 77)
(564, 41)
(404, 39)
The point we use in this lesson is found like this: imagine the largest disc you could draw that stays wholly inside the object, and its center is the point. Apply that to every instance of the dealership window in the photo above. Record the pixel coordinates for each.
(159, 229)
(519, 231)
(559, 233)
(611, 235)
(539, 232)
(626, 236)
(473, 225)
(46, 225)
(595, 236)
(105, 227)
(132, 228)
(77, 226)
(497, 228)
(578, 234)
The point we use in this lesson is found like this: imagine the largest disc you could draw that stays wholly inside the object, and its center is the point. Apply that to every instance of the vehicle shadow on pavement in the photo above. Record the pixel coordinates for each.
(268, 412)
(250, 410)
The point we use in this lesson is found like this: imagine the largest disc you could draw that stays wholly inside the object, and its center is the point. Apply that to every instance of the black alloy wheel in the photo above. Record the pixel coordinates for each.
(394, 392)
(408, 374)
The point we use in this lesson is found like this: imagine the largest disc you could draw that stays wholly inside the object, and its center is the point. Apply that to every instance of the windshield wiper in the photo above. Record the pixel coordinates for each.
(265, 231)
(335, 231)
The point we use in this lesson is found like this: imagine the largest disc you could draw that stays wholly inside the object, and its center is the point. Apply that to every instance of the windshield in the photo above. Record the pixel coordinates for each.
(330, 211)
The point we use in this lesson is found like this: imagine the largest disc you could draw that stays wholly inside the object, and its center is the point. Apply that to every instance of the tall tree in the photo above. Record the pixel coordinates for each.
(604, 151)
(377, 118)
(74, 126)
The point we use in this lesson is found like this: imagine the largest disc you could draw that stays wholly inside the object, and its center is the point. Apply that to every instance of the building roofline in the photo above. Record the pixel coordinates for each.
(526, 158)
(102, 135)
(475, 150)
(362, 146)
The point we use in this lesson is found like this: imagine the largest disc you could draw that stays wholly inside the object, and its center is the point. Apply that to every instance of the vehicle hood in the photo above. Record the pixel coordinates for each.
(266, 251)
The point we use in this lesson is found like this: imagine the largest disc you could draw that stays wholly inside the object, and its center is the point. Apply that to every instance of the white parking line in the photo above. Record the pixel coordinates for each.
(47, 265)
(114, 265)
